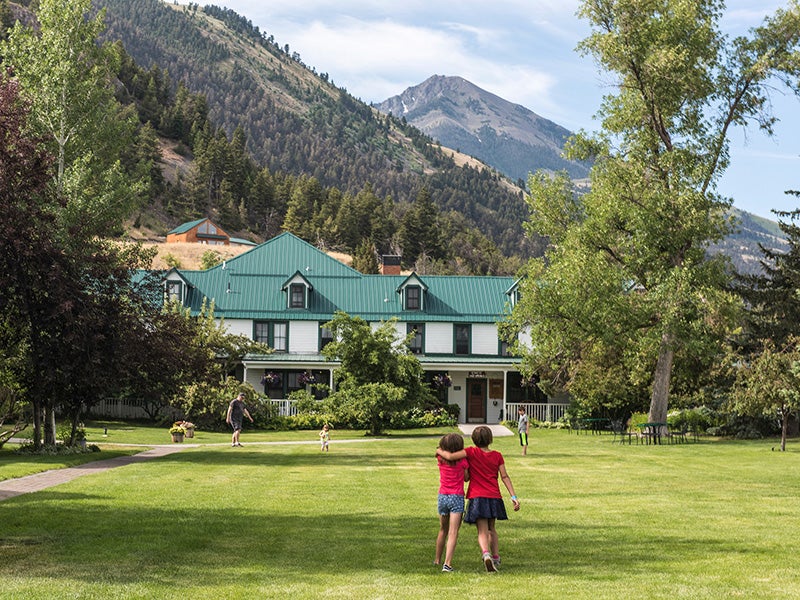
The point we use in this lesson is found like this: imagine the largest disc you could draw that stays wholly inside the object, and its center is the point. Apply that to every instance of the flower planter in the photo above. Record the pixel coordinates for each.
(177, 438)
(189, 432)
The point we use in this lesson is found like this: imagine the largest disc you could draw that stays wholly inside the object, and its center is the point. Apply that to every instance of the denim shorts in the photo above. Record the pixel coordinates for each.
(451, 503)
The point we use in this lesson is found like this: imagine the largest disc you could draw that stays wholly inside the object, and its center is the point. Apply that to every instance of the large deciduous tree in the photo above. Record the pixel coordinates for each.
(378, 376)
(627, 278)
(69, 80)
(769, 384)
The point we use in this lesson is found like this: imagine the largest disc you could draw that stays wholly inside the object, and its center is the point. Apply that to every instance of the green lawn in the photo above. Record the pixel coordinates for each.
(706, 520)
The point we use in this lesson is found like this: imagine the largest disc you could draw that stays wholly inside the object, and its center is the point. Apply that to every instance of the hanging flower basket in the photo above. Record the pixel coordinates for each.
(306, 379)
(442, 381)
(270, 378)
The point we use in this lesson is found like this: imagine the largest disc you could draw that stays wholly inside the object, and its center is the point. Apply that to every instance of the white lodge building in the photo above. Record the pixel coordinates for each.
(284, 290)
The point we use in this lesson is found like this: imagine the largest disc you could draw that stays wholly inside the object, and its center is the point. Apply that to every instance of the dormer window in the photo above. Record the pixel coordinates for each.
(412, 292)
(298, 291)
(413, 297)
(514, 293)
(174, 291)
(297, 295)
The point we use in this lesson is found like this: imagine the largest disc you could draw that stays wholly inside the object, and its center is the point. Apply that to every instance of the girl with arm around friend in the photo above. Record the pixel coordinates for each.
(485, 500)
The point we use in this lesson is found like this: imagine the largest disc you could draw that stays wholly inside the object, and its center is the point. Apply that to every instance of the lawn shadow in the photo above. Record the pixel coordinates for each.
(162, 544)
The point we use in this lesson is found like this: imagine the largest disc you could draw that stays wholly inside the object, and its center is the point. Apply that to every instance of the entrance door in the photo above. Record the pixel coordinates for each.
(476, 401)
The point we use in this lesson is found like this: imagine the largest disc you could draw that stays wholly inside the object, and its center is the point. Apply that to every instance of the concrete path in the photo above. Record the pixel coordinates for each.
(497, 430)
(40, 481)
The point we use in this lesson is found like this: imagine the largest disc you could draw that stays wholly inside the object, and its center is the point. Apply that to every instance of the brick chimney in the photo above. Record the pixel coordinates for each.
(390, 264)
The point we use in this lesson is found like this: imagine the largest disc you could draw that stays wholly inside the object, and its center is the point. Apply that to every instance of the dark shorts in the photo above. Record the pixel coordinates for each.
(523, 438)
(236, 424)
(485, 508)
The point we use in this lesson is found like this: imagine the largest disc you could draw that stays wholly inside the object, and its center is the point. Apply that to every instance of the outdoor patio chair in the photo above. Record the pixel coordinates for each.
(621, 430)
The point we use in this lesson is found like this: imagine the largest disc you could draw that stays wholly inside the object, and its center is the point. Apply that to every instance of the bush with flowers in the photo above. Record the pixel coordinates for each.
(442, 380)
(306, 378)
(270, 378)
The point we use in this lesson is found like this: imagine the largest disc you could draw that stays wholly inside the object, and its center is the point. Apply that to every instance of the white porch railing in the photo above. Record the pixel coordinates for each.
(540, 411)
(284, 407)
(543, 411)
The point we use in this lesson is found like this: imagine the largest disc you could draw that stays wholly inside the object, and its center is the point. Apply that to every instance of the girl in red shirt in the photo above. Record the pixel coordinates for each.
(485, 500)
(452, 475)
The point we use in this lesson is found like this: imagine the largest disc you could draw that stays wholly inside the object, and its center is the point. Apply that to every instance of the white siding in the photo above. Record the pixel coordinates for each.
(303, 336)
(484, 339)
(525, 338)
(438, 338)
(239, 327)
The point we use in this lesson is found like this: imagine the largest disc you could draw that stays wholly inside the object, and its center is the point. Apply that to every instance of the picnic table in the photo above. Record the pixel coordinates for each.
(651, 432)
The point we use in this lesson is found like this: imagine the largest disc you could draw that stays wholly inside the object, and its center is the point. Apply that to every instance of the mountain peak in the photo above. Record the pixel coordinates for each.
(461, 115)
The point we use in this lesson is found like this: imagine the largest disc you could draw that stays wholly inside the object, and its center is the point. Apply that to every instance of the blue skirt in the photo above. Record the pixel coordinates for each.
(485, 508)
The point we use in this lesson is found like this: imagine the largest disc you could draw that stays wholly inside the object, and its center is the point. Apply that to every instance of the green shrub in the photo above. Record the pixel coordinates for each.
(172, 261)
(55, 449)
(418, 418)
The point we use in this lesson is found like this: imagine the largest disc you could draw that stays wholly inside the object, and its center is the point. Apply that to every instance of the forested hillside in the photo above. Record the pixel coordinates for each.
(293, 121)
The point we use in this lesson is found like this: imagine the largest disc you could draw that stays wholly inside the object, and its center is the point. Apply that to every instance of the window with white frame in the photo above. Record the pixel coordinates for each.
(417, 343)
(297, 295)
(174, 290)
(325, 336)
(462, 334)
(413, 297)
(273, 333)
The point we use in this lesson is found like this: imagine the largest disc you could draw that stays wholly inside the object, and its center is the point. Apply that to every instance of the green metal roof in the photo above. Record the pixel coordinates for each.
(187, 226)
(249, 287)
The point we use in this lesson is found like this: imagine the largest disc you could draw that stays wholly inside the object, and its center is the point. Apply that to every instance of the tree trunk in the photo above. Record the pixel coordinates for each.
(50, 426)
(784, 429)
(37, 424)
(659, 401)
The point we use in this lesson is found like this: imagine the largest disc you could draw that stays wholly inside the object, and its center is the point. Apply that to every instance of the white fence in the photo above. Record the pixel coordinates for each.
(132, 409)
(283, 408)
(550, 412)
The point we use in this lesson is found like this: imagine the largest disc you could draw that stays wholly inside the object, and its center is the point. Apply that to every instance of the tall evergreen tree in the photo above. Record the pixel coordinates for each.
(420, 230)
(774, 307)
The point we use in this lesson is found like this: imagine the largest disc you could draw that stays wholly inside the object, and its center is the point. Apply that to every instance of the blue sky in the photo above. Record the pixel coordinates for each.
(521, 50)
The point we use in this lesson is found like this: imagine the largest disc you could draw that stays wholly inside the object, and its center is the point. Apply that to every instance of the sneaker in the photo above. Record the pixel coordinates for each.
(496, 561)
(489, 563)
(447, 569)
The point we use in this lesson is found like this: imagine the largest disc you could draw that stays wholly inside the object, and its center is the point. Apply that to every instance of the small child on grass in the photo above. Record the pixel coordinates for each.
(324, 438)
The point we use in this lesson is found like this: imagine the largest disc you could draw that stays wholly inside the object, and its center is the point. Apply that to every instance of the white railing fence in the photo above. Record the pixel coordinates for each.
(133, 409)
(539, 411)
(283, 408)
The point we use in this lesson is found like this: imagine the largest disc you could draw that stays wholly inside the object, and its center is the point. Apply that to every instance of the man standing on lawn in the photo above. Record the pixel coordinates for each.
(236, 412)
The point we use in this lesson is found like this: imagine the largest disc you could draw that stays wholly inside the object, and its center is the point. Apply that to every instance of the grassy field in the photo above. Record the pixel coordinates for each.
(282, 520)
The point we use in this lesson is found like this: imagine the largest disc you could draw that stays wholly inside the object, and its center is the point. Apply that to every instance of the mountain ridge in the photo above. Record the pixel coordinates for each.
(509, 137)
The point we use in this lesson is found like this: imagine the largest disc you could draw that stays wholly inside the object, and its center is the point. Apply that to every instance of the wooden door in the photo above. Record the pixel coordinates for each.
(476, 401)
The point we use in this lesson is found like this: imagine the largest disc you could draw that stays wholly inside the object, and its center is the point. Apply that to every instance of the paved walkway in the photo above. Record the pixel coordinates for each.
(497, 430)
(40, 481)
